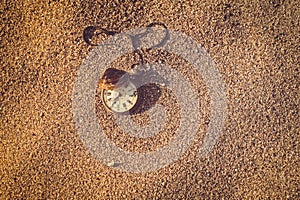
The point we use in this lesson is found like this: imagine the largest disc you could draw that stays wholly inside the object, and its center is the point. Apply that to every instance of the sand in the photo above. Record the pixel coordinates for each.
(255, 46)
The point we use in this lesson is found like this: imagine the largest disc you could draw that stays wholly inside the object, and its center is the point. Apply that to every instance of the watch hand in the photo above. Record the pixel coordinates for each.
(112, 105)
(117, 97)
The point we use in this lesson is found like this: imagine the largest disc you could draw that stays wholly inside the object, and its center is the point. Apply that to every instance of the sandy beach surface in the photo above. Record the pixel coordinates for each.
(255, 48)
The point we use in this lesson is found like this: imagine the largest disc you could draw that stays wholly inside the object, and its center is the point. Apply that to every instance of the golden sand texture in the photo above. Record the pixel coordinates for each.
(256, 48)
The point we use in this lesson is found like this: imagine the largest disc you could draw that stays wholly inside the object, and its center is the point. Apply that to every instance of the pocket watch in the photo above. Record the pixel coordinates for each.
(119, 93)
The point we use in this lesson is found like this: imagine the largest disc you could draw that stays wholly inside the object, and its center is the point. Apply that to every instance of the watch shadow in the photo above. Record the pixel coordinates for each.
(149, 94)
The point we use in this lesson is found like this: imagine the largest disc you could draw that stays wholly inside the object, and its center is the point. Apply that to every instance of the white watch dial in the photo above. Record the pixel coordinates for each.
(121, 99)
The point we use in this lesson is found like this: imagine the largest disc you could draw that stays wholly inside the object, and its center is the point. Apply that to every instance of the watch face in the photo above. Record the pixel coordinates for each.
(121, 99)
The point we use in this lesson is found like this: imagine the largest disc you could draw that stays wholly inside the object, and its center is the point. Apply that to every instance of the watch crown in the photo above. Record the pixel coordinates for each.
(113, 78)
